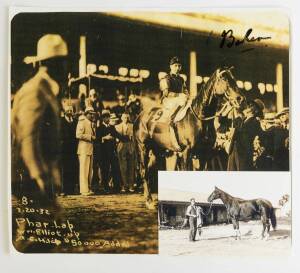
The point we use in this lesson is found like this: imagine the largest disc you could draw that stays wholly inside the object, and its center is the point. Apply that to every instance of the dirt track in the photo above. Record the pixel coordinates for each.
(102, 224)
(219, 240)
(118, 218)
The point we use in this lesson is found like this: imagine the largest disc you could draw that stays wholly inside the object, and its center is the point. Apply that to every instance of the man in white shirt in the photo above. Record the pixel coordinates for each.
(191, 212)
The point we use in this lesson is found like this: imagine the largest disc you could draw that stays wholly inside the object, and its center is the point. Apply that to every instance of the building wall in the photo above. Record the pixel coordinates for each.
(173, 214)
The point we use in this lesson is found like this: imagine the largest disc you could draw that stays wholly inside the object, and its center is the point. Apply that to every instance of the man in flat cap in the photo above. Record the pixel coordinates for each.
(86, 134)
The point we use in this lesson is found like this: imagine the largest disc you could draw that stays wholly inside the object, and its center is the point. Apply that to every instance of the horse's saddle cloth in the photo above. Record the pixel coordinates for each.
(160, 126)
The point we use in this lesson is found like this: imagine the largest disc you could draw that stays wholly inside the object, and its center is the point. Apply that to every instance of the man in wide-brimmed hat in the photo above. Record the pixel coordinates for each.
(283, 116)
(108, 160)
(36, 131)
(86, 133)
(36, 112)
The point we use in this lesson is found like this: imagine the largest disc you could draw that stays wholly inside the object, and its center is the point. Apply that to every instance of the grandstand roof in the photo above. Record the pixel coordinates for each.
(263, 22)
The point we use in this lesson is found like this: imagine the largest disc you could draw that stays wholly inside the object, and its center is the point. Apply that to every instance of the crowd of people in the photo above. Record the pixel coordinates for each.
(97, 146)
(254, 143)
(102, 139)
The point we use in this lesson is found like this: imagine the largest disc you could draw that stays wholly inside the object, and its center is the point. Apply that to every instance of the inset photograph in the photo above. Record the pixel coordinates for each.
(234, 214)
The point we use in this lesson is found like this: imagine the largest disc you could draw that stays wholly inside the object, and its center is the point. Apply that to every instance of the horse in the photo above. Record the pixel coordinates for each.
(195, 132)
(244, 210)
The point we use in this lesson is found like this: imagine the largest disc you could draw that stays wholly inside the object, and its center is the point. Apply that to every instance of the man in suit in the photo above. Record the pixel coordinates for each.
(86, 134)
(69, 145)
(191, 212)
(109, 164)
(242, 150)
(126, 154)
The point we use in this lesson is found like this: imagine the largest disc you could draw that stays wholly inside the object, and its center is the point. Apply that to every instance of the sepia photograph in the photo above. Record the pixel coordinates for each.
(103, 101)
(211, 215)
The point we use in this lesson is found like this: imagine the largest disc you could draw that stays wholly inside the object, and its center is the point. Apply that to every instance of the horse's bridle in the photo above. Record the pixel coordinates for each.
(227, 96)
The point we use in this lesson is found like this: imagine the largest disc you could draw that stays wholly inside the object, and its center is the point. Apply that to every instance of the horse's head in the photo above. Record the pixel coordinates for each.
(214, 195)
(224, 84)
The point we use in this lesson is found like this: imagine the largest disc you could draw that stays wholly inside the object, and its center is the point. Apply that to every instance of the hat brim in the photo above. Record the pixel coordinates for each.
(34, 59)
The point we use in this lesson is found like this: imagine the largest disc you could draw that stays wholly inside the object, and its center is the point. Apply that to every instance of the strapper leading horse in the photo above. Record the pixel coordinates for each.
(195, 131)
(244, 210)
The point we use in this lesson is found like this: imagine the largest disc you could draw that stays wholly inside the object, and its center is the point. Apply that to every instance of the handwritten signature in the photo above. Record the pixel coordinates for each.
(230, 40)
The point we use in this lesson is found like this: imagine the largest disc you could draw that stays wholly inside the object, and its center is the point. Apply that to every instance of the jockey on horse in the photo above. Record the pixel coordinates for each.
(175, 101)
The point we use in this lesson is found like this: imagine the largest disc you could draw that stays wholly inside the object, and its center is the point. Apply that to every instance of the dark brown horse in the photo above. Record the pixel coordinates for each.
(195, 131)
(244, 210)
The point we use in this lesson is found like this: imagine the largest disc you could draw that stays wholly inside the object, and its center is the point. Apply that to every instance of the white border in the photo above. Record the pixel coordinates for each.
(147, 263)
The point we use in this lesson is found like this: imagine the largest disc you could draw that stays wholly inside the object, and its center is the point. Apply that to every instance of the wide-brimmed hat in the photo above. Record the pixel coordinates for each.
(89, 110)
(105, 112)
(48, 46)
(113, 117)
(175, 60)
(259, 104)
(285, 110)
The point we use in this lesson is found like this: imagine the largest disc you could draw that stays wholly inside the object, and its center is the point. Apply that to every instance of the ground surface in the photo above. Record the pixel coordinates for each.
(109, 224)
(219, 240)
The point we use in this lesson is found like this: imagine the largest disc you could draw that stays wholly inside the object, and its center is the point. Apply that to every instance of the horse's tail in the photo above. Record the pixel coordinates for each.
(273, 218)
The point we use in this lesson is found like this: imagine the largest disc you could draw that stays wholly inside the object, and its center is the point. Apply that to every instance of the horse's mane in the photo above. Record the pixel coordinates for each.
(206, 92)
(233, 197)
(204, 95)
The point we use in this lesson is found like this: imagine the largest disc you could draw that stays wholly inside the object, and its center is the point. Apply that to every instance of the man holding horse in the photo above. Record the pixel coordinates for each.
(191, 212)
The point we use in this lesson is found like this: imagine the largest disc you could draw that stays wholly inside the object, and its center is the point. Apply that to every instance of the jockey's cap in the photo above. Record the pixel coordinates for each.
(175, 60)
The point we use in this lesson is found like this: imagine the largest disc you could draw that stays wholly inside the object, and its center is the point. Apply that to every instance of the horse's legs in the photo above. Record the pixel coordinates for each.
(236, 227)
(234, 222)
(144, 174)
(238, 230)
(264, 227)
(265, 218)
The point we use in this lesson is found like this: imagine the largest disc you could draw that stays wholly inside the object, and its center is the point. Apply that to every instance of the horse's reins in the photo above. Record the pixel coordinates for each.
(208, 118)
(208, 212)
